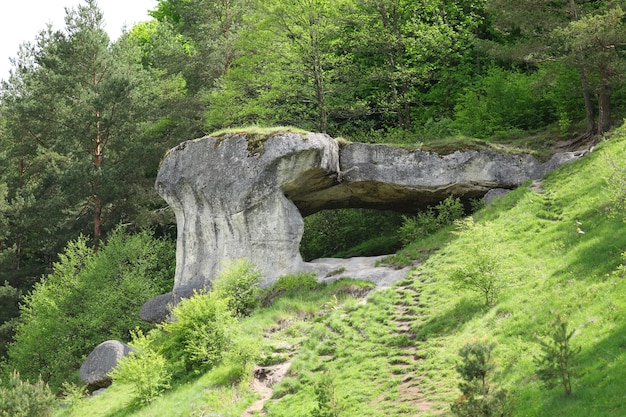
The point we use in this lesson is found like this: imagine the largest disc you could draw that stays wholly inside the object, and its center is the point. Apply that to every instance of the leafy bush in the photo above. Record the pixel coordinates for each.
(241, 357)
(88, 298)
(200, 333)
(329, 232)
(238, 283)
(501, 101)
(146, 372)
(483, 271)
(72, 393)
(23, 399)
(9, 308)
(431, 220)
(556, 365)
(479, 397)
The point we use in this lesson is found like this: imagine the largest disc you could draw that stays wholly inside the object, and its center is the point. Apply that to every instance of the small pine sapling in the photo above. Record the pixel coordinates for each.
(479, 397)
(557, 363)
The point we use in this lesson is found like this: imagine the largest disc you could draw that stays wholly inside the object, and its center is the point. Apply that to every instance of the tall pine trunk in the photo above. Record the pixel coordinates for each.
(604, 102)
(589, 114)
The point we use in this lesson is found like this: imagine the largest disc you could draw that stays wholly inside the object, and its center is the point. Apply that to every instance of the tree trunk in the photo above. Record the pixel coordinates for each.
(604, 103)
(589, 114)
(97, 163)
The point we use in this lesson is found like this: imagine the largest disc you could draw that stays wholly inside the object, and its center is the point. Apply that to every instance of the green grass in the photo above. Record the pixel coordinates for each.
(395, 355)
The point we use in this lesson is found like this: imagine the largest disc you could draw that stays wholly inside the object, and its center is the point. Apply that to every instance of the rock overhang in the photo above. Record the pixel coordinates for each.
(236, 196)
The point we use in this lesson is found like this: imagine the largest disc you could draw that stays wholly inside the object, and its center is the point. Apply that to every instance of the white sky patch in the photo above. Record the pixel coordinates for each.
(21, 20)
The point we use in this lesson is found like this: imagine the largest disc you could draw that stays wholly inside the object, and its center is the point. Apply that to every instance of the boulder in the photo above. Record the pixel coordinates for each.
(95, 370)
(157, 309)
(245, 195)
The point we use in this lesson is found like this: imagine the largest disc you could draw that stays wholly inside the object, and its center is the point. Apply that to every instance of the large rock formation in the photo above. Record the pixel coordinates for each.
(243, 195)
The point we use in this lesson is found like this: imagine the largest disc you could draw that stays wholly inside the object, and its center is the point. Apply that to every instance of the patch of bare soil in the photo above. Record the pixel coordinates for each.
(264, 378)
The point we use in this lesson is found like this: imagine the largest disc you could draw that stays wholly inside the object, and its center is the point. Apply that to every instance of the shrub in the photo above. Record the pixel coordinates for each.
(479, 397)
(431, 220)
(241, 357)
(556, 365)
(329, 232)
(502, 101)
(238, 283)
(72, 393)
(23, 399)
(88, 298)
(483, 272)
(146, 372)
(200, 333)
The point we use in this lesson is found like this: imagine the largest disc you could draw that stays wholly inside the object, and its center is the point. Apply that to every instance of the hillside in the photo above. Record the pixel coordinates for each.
(394, 354)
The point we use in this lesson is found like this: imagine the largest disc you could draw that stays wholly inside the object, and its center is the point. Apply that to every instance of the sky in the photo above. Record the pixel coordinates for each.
(21, 20)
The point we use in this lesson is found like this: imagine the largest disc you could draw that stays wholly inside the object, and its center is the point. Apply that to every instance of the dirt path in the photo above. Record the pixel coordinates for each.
(264, 378)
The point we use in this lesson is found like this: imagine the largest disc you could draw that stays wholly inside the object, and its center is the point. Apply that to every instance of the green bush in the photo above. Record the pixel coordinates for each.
(483, 272)
(480, 398)
(89, 297)
(431, 220)
(200, 333)
(241, 357)
(146, 372)
(9, 308)
(557, 363)
(502, 101)
(238, 283)
(329, 232)
(23, 399)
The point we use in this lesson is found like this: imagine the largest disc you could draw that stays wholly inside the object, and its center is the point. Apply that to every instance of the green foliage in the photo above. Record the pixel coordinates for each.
(9, 299)
(483, 271)
(328, 402)
(501, 101)
(616, 187)
(329, 232)
(431, 220)
(88, 298)
(146, 372)
(480, 398)
(72, 394)
(286, 284)
(24, 399)
(242, 356)
(200, 333)
(557, 363)
(238, 283)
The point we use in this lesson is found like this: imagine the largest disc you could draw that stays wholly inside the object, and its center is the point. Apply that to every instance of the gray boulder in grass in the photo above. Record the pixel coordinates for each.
(101, 361)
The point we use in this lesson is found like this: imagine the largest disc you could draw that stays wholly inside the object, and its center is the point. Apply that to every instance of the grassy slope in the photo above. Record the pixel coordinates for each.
(395, 355)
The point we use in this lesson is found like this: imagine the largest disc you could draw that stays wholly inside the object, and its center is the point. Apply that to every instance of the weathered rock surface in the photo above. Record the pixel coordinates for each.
(157, 309)
(101, 361)
(239, 196)
(230, 203)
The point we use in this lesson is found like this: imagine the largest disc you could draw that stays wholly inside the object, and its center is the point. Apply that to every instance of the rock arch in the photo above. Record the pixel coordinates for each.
(239, 195)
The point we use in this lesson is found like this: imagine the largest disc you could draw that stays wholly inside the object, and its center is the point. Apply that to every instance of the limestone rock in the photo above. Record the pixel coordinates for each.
(229, 200)
(241, 196)
(157, 309)
(101, 361)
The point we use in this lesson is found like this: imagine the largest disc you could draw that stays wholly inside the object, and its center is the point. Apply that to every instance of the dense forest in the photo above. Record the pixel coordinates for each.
(85, 121)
